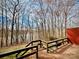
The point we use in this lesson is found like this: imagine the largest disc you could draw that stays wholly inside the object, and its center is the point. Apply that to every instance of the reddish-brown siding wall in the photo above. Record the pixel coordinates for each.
(73, 35)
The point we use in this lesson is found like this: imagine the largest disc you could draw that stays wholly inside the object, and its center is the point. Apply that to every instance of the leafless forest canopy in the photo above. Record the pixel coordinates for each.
(22, 21)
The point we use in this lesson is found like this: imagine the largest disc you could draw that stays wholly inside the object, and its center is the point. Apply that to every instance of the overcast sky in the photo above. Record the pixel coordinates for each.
(74, 21)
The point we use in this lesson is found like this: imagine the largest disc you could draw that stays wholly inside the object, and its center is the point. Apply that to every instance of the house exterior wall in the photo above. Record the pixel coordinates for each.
(73, 35)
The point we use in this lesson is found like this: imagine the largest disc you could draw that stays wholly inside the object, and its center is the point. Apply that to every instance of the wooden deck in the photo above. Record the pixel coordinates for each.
(67, 52)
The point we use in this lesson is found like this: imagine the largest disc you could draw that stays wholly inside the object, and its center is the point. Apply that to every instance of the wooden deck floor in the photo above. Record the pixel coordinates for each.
(71, 52)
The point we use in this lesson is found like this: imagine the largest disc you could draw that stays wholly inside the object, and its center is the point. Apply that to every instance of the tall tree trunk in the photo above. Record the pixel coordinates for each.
(65, 25)
(17, 29)
(48, 24)
(2, 25)
(6, 25)
(44, 28)
(58, 27)
(12, 28)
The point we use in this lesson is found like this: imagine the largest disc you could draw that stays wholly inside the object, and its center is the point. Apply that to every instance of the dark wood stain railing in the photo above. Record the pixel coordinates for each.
(36, 41)
(57, 43)
(30, 46)
(21, 50)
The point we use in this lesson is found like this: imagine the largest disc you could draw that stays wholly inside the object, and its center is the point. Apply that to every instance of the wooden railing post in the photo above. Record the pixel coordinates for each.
(40, 44)
(37, 53)
(47, 48)
(32, 45)
(63, 41)
(56, 44)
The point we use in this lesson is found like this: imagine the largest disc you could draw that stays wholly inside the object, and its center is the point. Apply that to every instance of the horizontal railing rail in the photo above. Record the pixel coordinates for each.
(56, 42)
(33, 42)
(53, 43)
(21, 50)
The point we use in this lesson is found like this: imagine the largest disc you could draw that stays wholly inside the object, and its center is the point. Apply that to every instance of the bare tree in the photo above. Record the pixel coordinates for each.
(2, 24)
(6, 24)
(14, 10)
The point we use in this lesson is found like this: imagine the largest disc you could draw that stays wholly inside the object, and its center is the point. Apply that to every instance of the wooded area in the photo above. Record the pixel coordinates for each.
(21, 21)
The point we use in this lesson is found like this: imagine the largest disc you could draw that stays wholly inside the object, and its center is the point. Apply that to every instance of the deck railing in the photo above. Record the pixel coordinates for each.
(56, 43)
(34, 48)
(21, 56)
